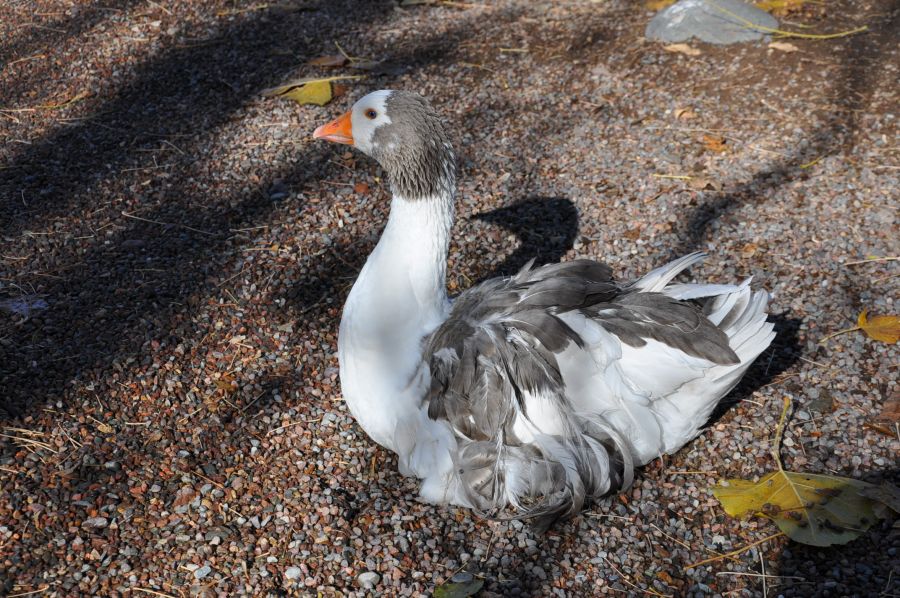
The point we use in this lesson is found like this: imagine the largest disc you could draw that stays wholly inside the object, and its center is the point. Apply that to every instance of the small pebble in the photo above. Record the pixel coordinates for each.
(368, 580)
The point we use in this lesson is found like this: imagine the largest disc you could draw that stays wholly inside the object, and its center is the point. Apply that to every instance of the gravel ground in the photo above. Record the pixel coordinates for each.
(172, 422)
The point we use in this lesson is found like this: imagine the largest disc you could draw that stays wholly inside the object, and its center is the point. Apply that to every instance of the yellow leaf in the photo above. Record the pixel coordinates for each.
(820, 510)
(105, 428)
(682, 49)
(880, 328)
(658, 4)
(317, 92)
(814, 509)
(307, 91)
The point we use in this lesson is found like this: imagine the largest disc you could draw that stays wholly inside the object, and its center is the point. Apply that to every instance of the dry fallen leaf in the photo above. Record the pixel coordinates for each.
(682, 49)
(665, 577)
(885, 494)
(701, 183)
(337, 90)
(308, 91)
(459, 589)
(880, 328)
(105, 428)
(784, 47)
(714, 143)
(226, 382)
(891, 412)
(685, 114)
(361, 188)
(658, 4)
(749, 250)
(820, 510)
(814, 509)
(331, 60)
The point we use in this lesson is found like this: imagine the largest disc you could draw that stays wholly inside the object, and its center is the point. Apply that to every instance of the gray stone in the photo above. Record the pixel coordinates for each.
(368, 580)
(713, 21)
(202, 572)
(95, 522)
(292, 573)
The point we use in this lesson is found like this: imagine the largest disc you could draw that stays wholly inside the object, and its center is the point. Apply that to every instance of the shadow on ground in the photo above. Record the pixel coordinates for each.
(546, 228)
(853, 92)
(130, 285)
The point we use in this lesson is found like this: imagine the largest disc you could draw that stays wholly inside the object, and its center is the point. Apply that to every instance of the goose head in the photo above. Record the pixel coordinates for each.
(403, 133)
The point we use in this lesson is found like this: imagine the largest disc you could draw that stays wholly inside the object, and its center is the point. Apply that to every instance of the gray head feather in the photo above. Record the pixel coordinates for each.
(414, 149)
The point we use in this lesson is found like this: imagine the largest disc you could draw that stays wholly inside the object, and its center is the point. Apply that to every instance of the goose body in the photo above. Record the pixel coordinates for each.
(537, 391)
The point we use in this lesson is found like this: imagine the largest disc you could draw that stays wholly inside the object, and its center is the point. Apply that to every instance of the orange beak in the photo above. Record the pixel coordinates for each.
(340, 130)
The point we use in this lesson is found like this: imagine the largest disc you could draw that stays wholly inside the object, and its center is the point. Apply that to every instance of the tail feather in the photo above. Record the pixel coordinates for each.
(656, 280)
(742, 316)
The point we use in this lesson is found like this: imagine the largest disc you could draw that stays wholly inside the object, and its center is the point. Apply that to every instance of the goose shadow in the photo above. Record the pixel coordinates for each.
(546, 228)
(779, 358)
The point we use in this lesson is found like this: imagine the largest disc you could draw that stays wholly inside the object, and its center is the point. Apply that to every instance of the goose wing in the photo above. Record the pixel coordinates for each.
(499, 374)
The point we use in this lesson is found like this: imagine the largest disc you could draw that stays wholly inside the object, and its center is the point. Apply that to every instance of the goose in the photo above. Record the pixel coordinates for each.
(526, 396)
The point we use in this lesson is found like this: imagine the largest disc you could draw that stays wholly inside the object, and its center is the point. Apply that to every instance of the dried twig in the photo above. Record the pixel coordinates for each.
(196, 230)
(728, 555)
(636, 587)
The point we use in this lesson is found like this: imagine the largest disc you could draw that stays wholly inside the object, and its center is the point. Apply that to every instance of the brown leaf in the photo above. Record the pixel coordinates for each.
(665, 577)
(658, 4)
(701, 183)
(749, 250)
(880, 328)
(891, 412)
(337, 90)
(685, 114)
(361, 188)
(332, 60)
(682, 49)
(225, 382)
(714, 143)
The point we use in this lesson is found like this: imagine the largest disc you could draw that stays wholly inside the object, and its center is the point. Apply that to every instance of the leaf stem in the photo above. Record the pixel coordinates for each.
(844, 331)
(779, 432)
(734, 552)
(781, 32)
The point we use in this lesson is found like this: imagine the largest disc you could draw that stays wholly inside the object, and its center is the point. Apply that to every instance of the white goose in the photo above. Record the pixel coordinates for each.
(537, 391)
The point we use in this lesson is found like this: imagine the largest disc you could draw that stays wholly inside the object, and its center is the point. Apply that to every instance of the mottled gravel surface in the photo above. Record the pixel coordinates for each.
(171, 418)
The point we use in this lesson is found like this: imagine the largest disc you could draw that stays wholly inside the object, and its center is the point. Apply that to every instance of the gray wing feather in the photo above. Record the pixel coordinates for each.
(501, 342)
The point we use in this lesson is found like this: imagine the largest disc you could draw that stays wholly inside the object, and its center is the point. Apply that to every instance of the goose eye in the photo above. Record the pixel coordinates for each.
(371, 114)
